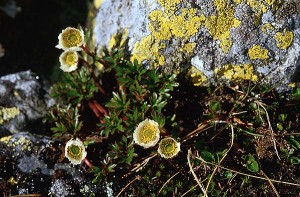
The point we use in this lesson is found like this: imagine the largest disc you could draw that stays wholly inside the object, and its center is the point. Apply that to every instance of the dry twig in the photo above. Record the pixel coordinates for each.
(270, 127)
(193, 173)
(215, 170)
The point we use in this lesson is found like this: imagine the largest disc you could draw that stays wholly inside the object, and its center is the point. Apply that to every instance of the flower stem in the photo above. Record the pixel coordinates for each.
(95, 110)
(98, 110)
(86, 50)
(100, 88)
(88, 163)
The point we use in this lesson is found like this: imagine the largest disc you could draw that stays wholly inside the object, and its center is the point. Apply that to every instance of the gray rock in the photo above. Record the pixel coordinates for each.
(61, 188)
(29, 151)
(23, 91)
(35, 158)
(223, 40)
(10, 8)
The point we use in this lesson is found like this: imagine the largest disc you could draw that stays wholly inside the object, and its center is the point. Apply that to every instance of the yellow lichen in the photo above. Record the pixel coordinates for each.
(237, 72)
(238, 1)
(189, 47)
(186, 24)
(183, 26)
(256, 52)
(257, 6)
(169, 23)
(113, 40)
(97, 3)
(292, 85)
(197, 77)
(12, 181)
(147, 49)
(8, 113)
(284, 39)
(267, 28)
(169, 5)
(159, 26)
(270, 2)
(274, 4)
(219, 26)
(5, 139)
(23, 142)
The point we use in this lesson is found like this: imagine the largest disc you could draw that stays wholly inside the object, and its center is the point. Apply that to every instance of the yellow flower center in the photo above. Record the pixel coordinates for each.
(168, 147)
(75, 152)
(71, 58)
(72, 38)
(148, 134)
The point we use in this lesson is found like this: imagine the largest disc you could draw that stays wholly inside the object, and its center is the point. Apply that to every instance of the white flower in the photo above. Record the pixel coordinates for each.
(71, 39)
(75, 151)
(168, 147)
(146, 133)
(68, 61)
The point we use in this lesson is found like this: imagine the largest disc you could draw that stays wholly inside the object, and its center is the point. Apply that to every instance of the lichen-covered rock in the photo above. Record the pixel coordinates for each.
(23, 101)
(28, 150)
(258, 40)
(29, 160)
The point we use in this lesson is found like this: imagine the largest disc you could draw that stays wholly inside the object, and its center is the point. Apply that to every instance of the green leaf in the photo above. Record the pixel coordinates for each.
(228, 174)
(57, 135)
(111, 167)
(279, 126)
(253, 106)
(296, 92)
(88, 142)
(215, 106)
(130, 155)
(251, 163)
(282, 117)
(294, 160)
(294, 142)
(207, 156)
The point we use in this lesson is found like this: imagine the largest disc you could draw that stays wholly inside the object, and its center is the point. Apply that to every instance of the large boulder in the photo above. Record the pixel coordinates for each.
(223, 40)
(24, 100)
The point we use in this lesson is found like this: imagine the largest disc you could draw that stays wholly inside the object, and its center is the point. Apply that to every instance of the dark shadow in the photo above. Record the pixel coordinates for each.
(30, 38)
(296, 75)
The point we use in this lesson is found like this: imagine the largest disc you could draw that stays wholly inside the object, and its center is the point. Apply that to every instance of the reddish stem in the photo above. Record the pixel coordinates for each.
(95, 110)
(88, 163)
(100, 108)
(100, 88)
(124, 118)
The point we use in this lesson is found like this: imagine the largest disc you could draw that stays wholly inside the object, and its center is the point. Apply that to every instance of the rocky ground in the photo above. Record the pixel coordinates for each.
(238, 63)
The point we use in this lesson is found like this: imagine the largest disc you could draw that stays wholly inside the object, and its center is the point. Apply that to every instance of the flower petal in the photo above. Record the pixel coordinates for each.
(147, 133)
(75, 151)
(168, 148)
